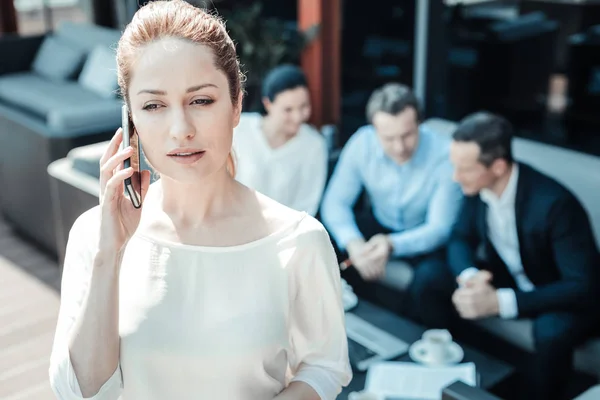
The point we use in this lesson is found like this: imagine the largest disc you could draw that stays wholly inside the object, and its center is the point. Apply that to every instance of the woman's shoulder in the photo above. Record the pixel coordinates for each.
(294, 224)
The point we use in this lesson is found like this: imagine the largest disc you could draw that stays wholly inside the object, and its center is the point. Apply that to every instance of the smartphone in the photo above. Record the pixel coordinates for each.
(133, 184)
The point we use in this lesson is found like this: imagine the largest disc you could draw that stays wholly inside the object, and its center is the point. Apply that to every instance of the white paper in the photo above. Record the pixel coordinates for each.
(414, 381)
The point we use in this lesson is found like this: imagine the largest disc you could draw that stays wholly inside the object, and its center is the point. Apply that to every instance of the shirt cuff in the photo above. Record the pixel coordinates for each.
(397, 249)
(507, 303)
(323, 383)
(467, 274)
(347, 235)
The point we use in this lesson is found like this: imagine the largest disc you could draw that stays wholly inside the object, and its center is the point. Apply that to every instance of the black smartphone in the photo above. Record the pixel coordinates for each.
(133, 184)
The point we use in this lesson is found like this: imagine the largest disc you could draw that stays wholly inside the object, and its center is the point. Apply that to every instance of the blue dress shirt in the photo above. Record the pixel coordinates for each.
(418, 200)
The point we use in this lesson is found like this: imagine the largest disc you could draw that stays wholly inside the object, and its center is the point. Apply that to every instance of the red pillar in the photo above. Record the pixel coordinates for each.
(321, 59)
(8, 17)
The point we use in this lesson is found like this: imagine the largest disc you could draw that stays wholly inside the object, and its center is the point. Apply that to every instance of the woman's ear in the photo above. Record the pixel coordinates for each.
(237, 109)
(267, 104)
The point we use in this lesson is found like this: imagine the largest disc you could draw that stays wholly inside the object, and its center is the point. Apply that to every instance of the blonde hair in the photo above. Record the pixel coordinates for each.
(179, 19)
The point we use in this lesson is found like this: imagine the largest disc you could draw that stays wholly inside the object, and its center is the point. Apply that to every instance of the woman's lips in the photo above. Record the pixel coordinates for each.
(186, 157)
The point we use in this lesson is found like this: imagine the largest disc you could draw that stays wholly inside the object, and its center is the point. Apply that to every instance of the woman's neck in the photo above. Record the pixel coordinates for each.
(193, 204)
(275, 137)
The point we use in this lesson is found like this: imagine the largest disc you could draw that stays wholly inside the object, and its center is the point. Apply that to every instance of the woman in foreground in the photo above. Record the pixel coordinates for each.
(210, 290)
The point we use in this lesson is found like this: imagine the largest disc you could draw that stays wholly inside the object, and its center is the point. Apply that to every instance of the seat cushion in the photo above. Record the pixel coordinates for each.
(66, 107)
(86, 159)
(57, 60)
(592, 393)
(520, 333)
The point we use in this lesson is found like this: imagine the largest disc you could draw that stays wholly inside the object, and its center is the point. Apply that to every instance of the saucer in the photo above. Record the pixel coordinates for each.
(418, 353)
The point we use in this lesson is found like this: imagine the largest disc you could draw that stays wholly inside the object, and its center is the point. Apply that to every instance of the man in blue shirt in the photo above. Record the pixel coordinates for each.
(407, 175)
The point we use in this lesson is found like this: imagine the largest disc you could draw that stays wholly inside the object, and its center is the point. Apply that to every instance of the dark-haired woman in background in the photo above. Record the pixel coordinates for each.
(279, 154)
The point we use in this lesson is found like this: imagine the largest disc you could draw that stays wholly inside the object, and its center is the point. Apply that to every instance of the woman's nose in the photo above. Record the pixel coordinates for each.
(182, 126)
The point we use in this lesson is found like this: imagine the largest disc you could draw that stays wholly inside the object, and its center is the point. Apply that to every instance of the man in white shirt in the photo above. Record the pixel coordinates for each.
(522, 247)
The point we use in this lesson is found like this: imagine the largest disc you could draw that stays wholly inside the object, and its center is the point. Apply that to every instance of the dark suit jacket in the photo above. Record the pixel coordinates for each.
(556, 242)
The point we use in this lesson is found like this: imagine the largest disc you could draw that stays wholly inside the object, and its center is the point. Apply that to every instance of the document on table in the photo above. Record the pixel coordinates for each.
(405, 380)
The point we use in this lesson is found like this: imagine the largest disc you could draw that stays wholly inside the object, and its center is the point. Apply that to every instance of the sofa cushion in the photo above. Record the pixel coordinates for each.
(86, 159)
(520, 333)
(99, 73)
(66, 107)
(57, 60)
(592, 393)
(96, 116)
(87, 36)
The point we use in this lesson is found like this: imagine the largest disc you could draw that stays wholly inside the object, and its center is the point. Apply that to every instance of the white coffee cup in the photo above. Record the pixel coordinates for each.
(436, 345)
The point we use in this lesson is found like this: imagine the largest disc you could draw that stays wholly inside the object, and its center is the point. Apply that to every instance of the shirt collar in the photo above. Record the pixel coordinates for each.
(510, 191)
(419, 153)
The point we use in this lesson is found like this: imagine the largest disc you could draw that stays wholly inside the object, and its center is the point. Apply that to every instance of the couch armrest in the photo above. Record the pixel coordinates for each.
(18, 52)
(461, 391)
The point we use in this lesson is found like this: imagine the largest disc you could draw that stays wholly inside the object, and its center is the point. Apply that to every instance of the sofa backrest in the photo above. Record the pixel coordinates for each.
(88, 36)
(579, 172)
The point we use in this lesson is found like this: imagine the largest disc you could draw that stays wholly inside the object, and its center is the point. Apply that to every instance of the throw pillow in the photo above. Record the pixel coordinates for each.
(57, 60)
(99, 73)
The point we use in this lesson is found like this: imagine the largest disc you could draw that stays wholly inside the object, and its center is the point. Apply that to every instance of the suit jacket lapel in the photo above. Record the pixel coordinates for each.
(521, 196)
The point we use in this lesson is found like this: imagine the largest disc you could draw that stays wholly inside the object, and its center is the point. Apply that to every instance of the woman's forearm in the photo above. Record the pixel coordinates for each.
(298, 391)
(94, 340)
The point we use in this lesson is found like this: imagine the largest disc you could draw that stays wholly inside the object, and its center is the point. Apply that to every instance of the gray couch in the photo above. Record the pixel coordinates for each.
(57, 92)
(579, 173)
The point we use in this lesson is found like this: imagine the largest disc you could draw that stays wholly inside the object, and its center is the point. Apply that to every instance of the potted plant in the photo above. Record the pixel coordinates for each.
(262, 44)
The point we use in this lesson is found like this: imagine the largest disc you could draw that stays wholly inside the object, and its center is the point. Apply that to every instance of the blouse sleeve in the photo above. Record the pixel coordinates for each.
(75, 282)
(318, 333)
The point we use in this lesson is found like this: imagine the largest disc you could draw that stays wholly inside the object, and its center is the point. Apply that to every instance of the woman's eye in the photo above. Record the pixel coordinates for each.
(151, 107)
(203, 102)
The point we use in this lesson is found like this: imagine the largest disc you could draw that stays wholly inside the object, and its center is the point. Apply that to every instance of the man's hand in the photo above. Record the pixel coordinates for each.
(370, 258)
(378, 255)
(481, 277)
(476, 298)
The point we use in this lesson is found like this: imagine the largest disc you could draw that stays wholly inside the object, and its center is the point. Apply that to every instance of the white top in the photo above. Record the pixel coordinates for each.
(502, 232)
(293, 174)
(238, 322)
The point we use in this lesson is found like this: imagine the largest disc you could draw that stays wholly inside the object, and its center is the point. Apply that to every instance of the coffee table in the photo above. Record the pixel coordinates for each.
(492, 372)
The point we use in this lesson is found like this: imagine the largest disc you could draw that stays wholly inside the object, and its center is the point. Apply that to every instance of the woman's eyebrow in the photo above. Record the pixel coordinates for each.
(189, 90)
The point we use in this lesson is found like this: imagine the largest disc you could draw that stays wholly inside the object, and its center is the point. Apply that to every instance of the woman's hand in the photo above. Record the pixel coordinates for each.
(119, 218)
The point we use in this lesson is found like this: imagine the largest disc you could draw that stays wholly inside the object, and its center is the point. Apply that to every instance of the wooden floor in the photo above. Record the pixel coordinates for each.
(29, 300)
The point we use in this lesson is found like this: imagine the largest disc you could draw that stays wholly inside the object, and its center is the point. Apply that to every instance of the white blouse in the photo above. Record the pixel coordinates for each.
(238, 322)
(293, 174)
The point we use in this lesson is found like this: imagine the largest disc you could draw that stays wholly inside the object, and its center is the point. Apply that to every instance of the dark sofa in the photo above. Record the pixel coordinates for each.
(57, 92)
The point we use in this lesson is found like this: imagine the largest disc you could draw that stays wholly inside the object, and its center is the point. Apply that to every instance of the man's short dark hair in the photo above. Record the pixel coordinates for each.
(282, 78)
(392, 98)
(492, 133)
